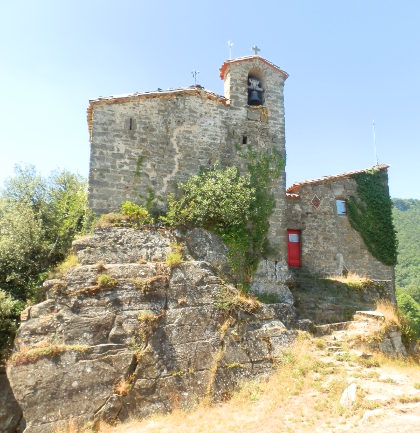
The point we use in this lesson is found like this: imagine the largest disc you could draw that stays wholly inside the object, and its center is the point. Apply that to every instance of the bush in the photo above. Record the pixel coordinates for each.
(213, 199)
(409, 311)
(236, 207)
(135, 213)
(9, 313)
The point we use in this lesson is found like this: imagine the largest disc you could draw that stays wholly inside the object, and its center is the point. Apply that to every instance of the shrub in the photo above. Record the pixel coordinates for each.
(409, 311)
(213, 199)
(236, 207)
(9, 314)
(106, 282)
(136, 214)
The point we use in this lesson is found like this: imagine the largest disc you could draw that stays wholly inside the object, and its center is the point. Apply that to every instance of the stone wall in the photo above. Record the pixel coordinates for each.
(173, 134)
(328, 242)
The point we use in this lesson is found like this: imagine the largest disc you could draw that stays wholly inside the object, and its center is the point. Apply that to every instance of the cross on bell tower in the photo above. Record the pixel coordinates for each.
(255, 49)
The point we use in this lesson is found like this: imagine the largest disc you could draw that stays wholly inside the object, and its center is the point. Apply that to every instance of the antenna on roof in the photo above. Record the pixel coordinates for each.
(230, 45)
(195, 74)
(374, 143)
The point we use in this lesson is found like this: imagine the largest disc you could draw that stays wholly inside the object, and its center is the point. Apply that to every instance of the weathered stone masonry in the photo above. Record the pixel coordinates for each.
(148, 142)
(151, 141)
(329, 243)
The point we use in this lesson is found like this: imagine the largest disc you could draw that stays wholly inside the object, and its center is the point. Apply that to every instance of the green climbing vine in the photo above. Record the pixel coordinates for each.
(371, 215)
(139, 163)
(248, 244)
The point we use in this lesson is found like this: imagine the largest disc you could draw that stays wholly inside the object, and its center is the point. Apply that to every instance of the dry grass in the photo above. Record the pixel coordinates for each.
(62, 268)
(215, 365)
(146, 285)
(105, 281)
(29, 355)
(352, 280)
(389, 311)
(232, 300)
(280, 403)
(147, 317)
(100, 266)
(175, 257)
(301, 396)
(123, 387)
(111, 220)
(70, 426)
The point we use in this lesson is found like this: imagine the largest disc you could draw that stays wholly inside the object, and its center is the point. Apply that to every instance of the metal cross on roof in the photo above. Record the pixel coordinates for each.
(255, 49)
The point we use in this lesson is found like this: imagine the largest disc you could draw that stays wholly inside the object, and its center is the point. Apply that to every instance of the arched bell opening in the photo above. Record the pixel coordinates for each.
(256, 88)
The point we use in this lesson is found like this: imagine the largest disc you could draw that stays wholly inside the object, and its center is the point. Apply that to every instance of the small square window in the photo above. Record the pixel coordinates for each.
(244, 139)
(293, 237)
(341, 206)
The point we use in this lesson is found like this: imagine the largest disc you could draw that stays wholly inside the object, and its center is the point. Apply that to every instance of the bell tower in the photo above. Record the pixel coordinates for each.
(253, 87)
(253, 81)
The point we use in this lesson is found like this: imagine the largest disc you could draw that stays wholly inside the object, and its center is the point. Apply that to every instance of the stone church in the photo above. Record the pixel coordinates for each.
(143, 142)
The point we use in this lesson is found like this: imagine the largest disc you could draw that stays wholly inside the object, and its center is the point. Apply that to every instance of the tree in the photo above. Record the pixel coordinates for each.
(39, 218)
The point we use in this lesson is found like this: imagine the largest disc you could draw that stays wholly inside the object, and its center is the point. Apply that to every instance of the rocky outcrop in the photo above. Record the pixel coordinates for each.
(10, 412)
(382, 335)
(122, 334)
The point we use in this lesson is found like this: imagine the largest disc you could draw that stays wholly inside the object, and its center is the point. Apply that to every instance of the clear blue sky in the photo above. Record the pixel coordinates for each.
(349, 62)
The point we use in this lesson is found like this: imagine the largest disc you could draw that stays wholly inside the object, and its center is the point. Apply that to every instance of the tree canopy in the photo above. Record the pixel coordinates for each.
(39, 218)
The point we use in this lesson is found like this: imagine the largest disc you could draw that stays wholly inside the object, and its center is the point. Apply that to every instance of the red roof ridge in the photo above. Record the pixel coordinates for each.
(246, 58)
(295, 187)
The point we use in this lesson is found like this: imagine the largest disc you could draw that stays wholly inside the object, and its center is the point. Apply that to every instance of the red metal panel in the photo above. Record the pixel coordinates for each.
(293, 248)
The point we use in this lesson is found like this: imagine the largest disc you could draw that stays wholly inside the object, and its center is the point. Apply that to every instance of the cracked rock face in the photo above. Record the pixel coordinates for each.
(151, 340)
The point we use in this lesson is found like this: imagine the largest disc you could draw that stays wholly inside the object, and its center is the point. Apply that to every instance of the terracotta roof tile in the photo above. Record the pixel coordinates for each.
(291, 195)
(295, 187)
(248, 58)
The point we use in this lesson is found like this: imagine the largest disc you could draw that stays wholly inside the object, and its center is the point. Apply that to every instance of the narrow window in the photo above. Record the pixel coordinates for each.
(244, 139)
(341, 206)
(130, 124)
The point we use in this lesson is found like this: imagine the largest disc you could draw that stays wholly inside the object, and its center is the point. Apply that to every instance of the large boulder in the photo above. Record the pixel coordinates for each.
(122, 334)
(10, 412)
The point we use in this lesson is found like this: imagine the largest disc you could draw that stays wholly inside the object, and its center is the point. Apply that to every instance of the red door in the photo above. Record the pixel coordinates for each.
(293, 248)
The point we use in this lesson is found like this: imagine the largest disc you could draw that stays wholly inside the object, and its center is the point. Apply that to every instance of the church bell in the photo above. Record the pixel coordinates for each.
(254, 98)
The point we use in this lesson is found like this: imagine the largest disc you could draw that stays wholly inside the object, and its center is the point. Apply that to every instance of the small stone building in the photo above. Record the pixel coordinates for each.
(143, 143)
(320, 238)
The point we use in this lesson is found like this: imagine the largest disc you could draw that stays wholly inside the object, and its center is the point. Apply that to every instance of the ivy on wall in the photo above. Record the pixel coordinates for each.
(371, 215)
